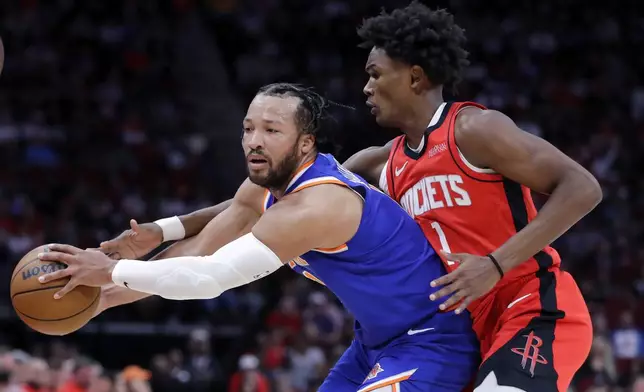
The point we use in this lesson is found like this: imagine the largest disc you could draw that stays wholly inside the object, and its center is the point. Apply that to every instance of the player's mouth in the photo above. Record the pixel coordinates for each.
(256, 161)
(373, 107)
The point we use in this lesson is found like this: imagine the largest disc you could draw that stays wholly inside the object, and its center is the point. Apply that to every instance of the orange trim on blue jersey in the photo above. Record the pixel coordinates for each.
(316, 181)
(300, 170)
(337, 249)
(299, 261)
(267, 196)
(393, 381)
(309, 275)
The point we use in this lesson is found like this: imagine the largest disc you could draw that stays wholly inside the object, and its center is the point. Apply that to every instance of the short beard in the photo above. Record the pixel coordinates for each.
(278, 177)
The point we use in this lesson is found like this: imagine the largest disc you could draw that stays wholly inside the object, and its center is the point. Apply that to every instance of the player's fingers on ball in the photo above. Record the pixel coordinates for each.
(72, 250)
(451, 301)
(68, 287)
(57, 256)
(54, 276)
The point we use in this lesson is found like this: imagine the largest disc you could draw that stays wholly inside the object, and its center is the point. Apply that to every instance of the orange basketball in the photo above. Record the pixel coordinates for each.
(34, 301)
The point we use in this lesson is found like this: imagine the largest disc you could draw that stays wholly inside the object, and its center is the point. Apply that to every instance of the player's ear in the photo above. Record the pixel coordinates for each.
(307, 143)
(419, 81)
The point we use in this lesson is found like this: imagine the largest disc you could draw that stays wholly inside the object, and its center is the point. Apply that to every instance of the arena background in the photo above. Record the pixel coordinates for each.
(120, 109)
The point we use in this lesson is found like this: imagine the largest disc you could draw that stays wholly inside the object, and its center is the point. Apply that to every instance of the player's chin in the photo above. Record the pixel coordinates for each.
(258, 176)
(381, 120)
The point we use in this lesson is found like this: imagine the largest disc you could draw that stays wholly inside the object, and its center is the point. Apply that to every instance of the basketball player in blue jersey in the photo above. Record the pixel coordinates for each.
(300, 207)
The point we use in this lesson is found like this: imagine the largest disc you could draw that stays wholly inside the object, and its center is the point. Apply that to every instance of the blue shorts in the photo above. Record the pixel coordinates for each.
(425, 360)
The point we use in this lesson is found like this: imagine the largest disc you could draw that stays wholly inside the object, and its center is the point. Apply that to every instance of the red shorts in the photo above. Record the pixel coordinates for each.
(535, 333)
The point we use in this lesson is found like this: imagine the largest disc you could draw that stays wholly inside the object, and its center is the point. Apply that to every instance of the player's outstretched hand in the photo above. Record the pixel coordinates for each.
(84, 267)
(474, 277)
(134, 243)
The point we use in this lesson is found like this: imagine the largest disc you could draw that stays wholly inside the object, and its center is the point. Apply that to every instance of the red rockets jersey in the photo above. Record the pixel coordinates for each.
(461, 208)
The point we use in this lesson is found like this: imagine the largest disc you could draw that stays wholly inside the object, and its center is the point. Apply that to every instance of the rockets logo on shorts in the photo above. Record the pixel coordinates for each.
(530, 352)
(374, 372)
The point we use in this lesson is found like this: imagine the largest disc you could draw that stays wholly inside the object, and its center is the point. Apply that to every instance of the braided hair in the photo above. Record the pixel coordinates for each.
(311, 115)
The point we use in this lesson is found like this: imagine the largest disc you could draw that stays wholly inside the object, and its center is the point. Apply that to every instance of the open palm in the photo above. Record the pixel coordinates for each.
(134, 243)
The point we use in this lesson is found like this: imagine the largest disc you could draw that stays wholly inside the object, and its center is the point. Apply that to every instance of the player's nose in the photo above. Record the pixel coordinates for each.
(368, 89)
(254, 140)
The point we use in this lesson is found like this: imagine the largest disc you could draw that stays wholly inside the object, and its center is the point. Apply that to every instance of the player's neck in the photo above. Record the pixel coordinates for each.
(303, 163)
(419, 116)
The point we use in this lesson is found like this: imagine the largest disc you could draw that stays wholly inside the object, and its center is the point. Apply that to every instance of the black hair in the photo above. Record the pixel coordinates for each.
(419, 36)
(312, 112)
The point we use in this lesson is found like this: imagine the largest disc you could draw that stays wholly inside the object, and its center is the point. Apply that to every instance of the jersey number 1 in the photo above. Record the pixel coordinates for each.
(442, 239)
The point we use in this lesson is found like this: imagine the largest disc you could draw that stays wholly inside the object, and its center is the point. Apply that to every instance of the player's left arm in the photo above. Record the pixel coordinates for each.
(490, 139)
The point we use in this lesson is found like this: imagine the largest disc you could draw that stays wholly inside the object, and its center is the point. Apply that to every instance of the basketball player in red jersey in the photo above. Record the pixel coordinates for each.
(465, 174)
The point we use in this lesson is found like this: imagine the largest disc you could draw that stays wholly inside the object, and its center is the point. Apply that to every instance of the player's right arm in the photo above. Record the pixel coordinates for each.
(370, 162)
(322, 216)
(232, 222)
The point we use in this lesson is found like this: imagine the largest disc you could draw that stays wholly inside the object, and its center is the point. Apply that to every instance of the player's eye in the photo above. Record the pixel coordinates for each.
(272, 130)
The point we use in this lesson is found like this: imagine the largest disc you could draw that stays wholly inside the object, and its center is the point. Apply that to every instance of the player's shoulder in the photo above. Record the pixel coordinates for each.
(474, 123)
(322, 198)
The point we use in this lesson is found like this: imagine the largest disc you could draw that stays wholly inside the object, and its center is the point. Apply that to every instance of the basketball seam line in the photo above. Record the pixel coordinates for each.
(64, 318)
(39, 289)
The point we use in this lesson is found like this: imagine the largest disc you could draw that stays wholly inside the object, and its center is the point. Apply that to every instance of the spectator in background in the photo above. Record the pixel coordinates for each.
(168, 376)
(38, 376)
(133, 379)
(307, 363)
(4, 379)
(205, 371)
(599, 369)
(286, 316)
(627, 345)
(627, 340)
(249, 378)
(273, 350)
(323, 320)
(84, 372)
(178, 370)
(102, 383)
(638, 384)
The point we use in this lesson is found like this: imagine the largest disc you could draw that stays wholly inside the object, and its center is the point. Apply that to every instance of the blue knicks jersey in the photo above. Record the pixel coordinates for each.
(382, 274)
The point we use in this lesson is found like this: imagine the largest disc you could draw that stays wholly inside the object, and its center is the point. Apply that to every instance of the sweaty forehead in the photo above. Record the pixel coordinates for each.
(272, 109)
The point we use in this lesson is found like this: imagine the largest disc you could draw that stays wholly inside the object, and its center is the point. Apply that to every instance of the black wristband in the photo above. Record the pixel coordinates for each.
(496, 264)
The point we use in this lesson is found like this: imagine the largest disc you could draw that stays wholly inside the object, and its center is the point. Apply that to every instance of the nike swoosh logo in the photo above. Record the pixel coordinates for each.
(398, 171)
(126, 285)
(417, 331)
(518, 299)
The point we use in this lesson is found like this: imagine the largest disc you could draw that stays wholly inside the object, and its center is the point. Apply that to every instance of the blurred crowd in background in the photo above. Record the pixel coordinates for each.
(120, 109)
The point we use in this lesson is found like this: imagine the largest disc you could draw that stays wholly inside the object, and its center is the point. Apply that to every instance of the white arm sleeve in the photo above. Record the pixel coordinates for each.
(200, 277)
